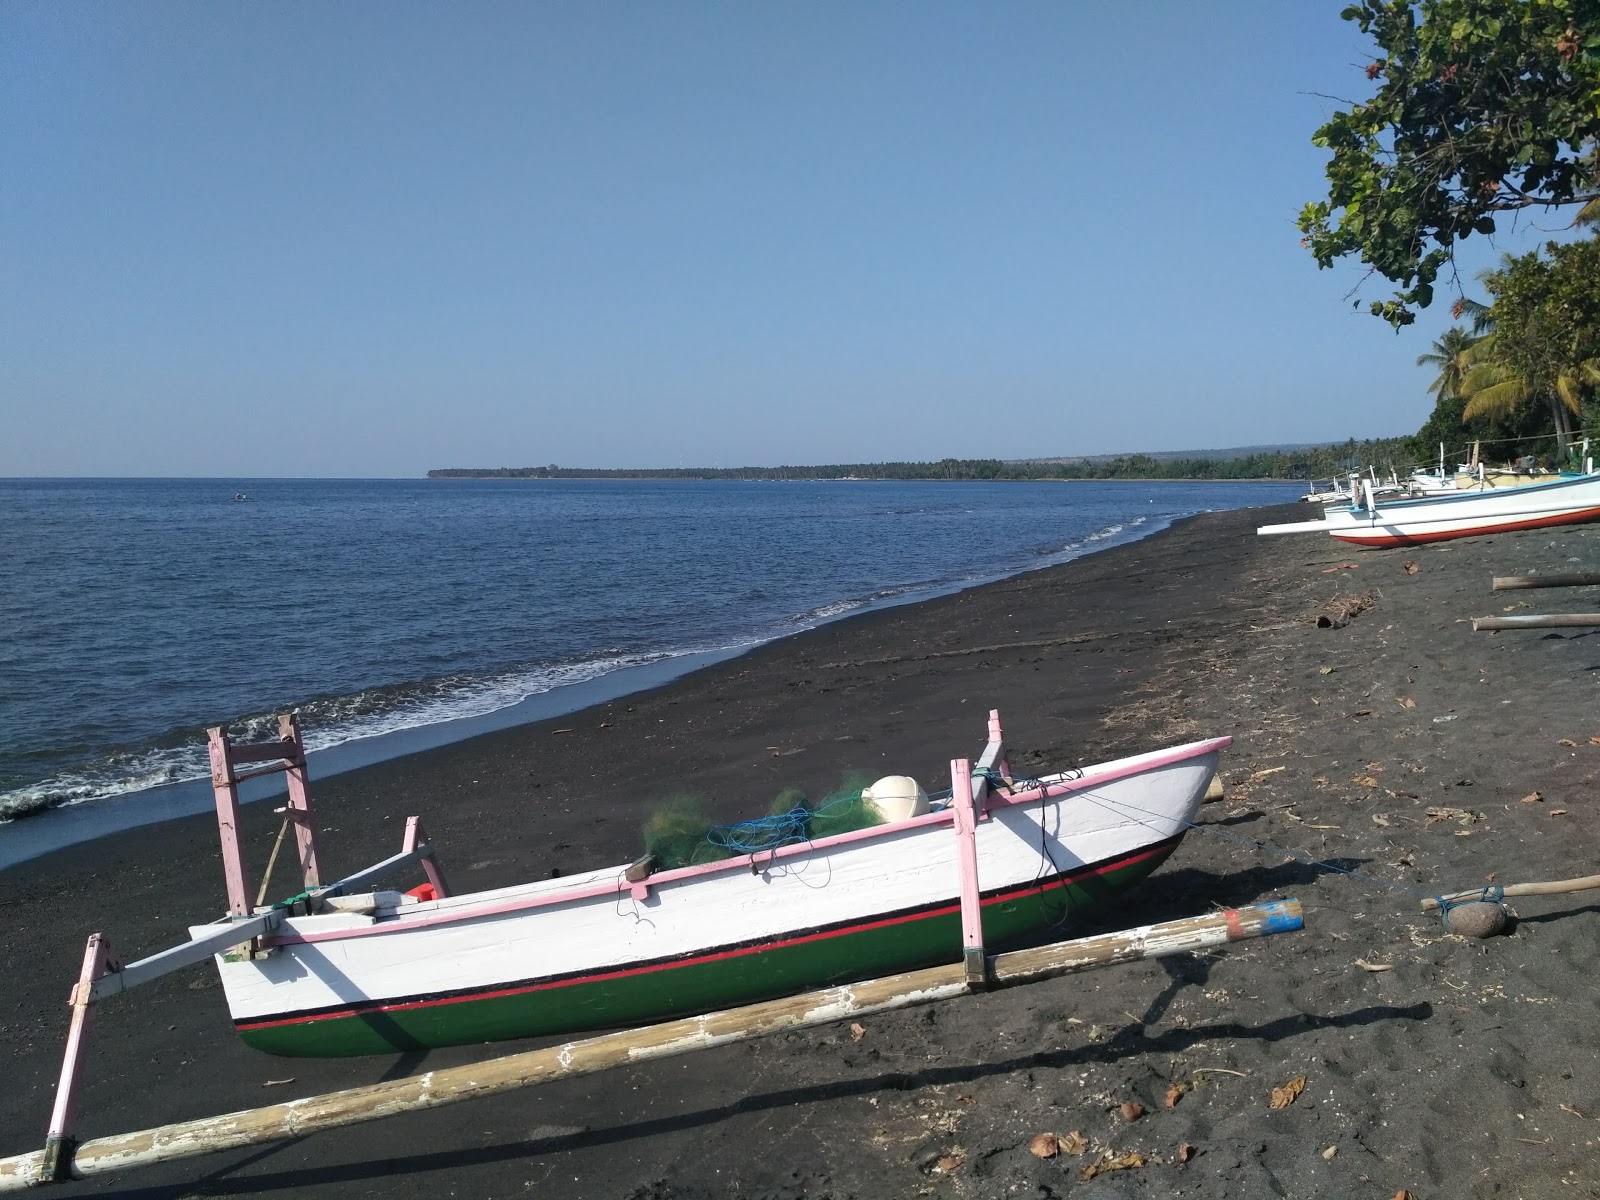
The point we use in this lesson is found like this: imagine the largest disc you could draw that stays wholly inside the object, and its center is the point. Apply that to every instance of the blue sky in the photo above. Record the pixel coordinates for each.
(368, 239)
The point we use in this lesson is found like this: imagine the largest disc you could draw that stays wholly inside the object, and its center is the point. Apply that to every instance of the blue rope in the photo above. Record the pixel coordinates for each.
(762, 833)
(779, 829)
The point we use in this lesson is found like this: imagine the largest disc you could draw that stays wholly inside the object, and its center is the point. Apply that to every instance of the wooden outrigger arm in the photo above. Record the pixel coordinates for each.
(296, 1118)
(102, 975)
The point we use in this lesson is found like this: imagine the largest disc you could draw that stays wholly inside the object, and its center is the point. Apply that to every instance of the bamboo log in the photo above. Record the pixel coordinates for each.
(296, 1118)
(1538, 621)
(1509, 583)
(1556, 887)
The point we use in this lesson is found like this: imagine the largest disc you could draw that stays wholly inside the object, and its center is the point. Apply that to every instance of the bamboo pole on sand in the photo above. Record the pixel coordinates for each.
(1537, 621)
(1508, 583)
(431, 1089)
(1556, 887)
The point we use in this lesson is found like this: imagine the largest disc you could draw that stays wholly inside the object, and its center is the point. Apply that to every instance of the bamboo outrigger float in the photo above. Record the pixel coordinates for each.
(338, 968)
(297, 1118)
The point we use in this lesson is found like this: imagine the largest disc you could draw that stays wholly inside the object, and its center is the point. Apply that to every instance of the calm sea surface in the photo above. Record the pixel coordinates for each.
(133, 613)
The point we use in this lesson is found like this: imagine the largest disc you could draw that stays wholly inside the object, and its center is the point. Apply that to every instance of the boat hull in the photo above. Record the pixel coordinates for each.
(599, 952)
(722, 977)
(1443, 517)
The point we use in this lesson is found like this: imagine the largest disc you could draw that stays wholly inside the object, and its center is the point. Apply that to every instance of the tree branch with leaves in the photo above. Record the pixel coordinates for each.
(1483, 107)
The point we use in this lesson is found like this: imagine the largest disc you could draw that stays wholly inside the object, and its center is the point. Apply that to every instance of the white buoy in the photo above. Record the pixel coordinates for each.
(897, 798)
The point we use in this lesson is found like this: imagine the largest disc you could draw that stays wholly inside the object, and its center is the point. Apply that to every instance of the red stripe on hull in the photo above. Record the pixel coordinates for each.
(1382, 540)
(756, 948)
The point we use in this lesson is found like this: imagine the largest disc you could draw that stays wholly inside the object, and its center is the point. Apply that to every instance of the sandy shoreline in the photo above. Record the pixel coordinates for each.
(1464, 1069)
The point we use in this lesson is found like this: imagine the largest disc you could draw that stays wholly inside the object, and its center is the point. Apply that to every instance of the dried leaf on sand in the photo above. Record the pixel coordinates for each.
(1286, 1095)
(1174, 1092)
(950, 1162)
(1124, 1162)
(1073, 1143)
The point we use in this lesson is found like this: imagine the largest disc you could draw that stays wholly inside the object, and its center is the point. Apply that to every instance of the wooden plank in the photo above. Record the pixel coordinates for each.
(225, 789)
(416, 836)
(305, 831)
(1509, 583)
(58, 1142)
(297, 1118)
(190, 952)
(354, 883)
(284, 748)
(966, 830)
(1537, 621)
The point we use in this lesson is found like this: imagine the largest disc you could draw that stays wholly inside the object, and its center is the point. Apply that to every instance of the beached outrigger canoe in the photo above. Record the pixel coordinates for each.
(619, 946)
(344, 969)
(1568, 500)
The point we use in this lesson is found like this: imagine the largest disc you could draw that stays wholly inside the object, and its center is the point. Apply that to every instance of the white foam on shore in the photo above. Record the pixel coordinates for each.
(327, 721)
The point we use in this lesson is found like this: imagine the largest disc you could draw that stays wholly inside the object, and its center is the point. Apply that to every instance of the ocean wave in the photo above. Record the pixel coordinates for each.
(1106, 533)
(330, 720)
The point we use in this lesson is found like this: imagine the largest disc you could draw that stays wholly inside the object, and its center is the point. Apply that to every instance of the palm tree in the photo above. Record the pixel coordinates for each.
(1450, 356)
(1494, 388)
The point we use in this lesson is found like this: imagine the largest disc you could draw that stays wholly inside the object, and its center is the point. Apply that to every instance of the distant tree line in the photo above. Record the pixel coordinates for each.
(1314, 463)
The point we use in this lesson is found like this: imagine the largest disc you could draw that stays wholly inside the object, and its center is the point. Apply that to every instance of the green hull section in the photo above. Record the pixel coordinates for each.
(717, 980)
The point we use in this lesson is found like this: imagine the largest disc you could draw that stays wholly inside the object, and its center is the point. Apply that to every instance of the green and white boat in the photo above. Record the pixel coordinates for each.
(381, 971)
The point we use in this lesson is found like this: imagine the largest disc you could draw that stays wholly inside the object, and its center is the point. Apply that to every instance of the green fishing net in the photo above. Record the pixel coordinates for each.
(680, 833)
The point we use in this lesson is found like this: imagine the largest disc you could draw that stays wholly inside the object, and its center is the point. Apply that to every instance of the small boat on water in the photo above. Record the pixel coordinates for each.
(1564, 500)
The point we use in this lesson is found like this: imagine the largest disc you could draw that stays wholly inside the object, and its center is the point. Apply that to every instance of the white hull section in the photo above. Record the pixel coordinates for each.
(587, 923)
(1462, 514)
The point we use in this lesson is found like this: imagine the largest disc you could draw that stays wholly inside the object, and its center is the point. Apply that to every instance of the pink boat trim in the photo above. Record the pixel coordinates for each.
(1138, 765)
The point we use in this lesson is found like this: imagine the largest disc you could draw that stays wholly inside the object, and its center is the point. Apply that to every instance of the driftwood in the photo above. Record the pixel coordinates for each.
(1509, 583)
(296, 1118)
(1556, 887)
(1337, 612)
(1537, 621)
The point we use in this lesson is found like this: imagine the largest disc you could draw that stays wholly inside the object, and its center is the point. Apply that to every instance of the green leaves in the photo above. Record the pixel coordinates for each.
(1482, 106)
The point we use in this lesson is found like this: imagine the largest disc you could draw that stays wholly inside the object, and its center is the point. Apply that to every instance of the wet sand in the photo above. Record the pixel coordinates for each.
(1443, 1066)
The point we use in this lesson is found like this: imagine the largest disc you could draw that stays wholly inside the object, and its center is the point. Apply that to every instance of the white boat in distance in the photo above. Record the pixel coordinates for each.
(1569, 500)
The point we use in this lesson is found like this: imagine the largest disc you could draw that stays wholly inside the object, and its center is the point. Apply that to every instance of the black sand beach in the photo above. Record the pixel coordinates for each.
(1447, 1067)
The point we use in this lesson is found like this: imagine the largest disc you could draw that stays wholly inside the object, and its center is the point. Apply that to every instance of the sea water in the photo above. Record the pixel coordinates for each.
(134, 613)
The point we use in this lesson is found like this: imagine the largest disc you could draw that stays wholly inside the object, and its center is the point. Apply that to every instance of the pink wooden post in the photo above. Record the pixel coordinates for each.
(59, 1143)
(998, 735)
(226, 788)
(416, 836)
(966, 825)
(305, 833)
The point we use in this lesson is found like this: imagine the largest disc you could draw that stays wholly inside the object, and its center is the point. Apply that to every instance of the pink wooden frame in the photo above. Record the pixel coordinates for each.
(415, 836)
(59, 1142)
(305, 832)
(287, 754)
(966, 827)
